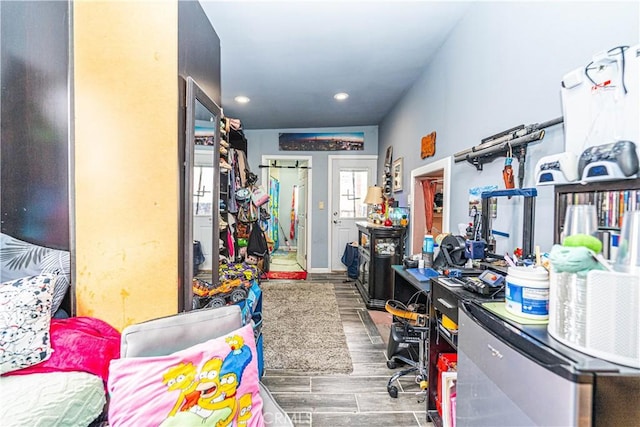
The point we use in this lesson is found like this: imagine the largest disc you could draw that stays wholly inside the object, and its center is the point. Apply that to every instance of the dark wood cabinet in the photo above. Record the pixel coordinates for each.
(379, 248)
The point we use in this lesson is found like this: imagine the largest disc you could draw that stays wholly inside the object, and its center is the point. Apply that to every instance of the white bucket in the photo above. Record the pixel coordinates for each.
(527, 292)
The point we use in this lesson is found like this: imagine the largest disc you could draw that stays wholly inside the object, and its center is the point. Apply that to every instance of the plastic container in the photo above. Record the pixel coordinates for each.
(628, 258)
(427, 250)
(527, 292)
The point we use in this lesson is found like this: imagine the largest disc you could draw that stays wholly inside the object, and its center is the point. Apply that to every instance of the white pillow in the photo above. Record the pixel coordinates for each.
(51, 399)
(25, 317)
(21, 259)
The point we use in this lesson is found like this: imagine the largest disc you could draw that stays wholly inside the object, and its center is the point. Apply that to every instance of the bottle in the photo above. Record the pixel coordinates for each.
(427, 250)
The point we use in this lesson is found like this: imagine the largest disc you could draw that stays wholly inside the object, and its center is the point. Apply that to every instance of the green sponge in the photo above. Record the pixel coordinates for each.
(585, 240)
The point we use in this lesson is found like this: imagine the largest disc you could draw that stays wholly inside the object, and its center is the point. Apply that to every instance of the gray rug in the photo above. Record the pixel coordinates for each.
(302, 329)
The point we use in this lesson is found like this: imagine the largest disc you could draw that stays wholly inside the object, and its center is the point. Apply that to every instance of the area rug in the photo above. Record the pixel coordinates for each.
(302, 329)
(291, 275)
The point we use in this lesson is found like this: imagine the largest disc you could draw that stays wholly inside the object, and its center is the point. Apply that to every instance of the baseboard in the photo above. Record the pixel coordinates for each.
(319, 270)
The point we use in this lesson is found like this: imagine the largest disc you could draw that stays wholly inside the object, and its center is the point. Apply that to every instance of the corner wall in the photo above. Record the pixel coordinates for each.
(501, 67)
(126, 172)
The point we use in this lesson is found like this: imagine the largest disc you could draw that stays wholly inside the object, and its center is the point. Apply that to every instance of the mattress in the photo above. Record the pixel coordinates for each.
(54, 398)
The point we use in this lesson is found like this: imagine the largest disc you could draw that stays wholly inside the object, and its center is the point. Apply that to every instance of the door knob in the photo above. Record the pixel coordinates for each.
(335, 221)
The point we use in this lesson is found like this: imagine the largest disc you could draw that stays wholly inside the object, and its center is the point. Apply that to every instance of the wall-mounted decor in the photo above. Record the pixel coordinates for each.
(396, 173)
(428, 145)
(323, 141)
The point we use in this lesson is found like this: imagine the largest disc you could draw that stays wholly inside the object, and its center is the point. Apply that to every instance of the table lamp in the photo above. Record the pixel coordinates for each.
(374, 200)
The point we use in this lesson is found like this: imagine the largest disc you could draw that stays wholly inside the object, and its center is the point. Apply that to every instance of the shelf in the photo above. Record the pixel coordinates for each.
(611, 198)
(449, 336)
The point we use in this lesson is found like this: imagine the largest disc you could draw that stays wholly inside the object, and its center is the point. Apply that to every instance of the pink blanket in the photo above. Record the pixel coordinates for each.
(79, 344)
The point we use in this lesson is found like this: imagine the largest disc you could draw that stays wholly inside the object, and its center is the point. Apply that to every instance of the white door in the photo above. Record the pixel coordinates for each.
(301, 231)
(349, 179)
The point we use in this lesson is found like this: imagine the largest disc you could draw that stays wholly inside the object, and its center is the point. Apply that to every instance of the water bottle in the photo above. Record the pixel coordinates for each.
(427, 250)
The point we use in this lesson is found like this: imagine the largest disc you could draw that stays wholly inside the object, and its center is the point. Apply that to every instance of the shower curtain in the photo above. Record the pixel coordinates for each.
(429, 191)
(274, 196)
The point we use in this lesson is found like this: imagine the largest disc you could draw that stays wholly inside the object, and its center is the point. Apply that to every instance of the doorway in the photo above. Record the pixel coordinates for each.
(288, 181)
(349, 178)
(439, 174)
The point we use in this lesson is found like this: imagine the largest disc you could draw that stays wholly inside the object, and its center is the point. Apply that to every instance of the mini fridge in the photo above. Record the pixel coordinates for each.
(517, 375)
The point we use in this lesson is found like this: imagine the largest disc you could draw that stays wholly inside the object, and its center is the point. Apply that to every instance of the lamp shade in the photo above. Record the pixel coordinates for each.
(374, 196)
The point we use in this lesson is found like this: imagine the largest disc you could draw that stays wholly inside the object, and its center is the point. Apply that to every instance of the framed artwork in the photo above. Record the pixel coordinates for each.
(321, 141)
(396, 173)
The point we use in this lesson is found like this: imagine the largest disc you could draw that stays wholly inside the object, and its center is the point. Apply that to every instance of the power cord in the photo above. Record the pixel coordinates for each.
(589, 68)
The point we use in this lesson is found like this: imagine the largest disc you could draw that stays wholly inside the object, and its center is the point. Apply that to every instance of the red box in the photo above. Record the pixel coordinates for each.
(446, 362)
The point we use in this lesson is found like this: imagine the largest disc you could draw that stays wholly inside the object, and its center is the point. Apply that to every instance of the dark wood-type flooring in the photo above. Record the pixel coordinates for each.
(356, 399)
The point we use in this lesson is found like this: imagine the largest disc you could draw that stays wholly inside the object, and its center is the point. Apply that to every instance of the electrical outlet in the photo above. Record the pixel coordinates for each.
(321, 205)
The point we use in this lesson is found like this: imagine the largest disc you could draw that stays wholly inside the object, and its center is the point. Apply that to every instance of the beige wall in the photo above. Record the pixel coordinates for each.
(126, 169)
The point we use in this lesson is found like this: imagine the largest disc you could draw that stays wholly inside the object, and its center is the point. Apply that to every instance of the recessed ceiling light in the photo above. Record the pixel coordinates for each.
(242, 99)
(341, 96)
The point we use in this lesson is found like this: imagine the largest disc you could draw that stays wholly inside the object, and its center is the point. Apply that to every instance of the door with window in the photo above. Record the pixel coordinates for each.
(350, 176)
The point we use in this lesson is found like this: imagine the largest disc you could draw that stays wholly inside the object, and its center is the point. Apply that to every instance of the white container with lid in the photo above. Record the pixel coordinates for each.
(527, 292)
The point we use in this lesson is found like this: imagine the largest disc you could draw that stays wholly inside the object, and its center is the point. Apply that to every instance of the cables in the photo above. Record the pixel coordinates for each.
(590, 67)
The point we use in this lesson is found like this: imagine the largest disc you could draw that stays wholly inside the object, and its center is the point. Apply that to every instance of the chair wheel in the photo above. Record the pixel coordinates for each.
(393, 391)
(391, 364)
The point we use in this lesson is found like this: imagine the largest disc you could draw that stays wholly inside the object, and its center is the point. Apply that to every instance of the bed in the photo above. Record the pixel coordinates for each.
(54, 367)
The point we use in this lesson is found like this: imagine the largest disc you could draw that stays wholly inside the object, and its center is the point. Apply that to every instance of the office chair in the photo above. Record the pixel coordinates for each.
(413, 322)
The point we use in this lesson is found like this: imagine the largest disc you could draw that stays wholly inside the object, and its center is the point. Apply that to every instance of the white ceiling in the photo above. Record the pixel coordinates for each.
(291, 57)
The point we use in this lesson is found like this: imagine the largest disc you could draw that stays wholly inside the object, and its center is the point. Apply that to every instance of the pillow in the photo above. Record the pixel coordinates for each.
(25, 316)
(51, 399)
(21, 259)
(206, 384)
(79, 344)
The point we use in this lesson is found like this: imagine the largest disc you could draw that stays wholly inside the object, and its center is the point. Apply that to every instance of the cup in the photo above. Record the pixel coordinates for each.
(628, 260)
(580, 219)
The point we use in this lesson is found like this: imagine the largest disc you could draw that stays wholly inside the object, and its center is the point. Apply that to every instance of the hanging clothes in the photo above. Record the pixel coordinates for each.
(274, 199)
(429, 191)
(232, 206)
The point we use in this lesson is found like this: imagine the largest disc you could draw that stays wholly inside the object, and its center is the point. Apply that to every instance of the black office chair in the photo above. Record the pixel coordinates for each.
(413, 323)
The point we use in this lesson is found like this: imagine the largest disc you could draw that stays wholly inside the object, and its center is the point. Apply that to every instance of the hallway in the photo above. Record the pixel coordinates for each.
(356, 399)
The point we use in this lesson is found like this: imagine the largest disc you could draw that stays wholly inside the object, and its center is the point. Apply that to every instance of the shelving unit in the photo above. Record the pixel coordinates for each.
(611, 198)
(236, 141)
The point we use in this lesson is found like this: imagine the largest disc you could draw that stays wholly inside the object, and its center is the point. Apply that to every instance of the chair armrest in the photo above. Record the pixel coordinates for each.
(160, 337)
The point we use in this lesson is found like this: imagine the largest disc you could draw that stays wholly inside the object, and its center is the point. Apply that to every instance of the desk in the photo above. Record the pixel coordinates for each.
(406, 288)
(445, 300)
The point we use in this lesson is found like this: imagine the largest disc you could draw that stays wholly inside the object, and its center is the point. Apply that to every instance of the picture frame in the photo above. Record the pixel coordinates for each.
(396, 174)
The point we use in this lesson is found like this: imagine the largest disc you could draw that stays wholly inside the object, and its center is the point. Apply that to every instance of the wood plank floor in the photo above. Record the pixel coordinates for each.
(357, 399)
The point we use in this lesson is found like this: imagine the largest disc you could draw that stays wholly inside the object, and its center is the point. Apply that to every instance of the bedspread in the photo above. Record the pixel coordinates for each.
(79, 344)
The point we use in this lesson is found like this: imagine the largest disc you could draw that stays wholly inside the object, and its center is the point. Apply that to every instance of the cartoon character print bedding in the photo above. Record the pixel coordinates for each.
(210, 384)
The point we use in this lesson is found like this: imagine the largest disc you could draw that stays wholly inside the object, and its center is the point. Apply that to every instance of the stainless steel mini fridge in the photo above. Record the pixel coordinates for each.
(516, 375)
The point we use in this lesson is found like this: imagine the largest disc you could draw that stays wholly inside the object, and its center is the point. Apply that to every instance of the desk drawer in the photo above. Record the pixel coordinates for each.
(445, 301)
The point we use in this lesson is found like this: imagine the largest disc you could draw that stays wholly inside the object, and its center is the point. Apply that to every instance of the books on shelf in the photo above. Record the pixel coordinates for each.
(610, 205)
